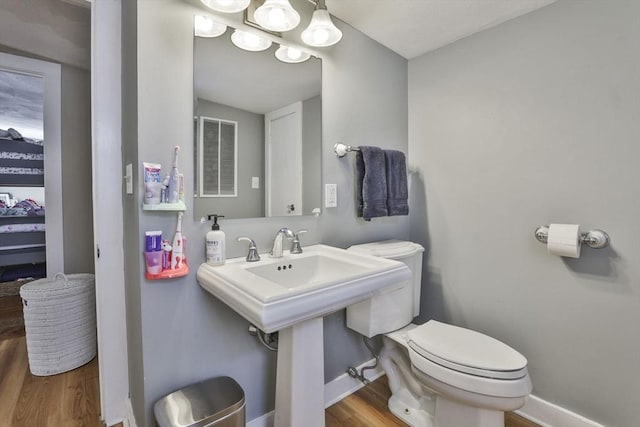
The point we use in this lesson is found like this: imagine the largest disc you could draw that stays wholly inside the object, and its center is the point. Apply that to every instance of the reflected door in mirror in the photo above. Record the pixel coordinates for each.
(283, 167)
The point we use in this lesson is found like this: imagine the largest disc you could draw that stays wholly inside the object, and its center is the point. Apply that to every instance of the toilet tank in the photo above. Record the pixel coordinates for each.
(396, 306)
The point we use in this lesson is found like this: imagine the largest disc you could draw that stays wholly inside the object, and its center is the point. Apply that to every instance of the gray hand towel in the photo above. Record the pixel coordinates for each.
(371, 183)
(397, 191)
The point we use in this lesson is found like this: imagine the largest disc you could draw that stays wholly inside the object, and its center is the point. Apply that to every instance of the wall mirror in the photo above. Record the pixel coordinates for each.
(257, 131)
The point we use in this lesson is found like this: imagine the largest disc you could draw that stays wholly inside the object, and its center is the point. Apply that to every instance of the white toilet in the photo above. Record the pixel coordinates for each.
(439, 375)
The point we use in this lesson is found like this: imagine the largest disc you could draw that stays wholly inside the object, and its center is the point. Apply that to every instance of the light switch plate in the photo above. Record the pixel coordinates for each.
(255, 182)
(128, 178)
(331, 195)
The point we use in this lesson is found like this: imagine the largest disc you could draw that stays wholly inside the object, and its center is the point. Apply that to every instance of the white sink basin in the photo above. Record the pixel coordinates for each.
(290, 295)
(275, 293)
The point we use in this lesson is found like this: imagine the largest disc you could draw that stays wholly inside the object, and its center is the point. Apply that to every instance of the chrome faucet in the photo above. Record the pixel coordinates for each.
(276, 250)
(252, 255)
(295, 244)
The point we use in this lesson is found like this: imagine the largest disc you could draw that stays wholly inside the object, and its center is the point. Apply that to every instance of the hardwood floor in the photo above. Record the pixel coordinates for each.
(69, 399)
(368, 408)
(11, 319)
(72, 399)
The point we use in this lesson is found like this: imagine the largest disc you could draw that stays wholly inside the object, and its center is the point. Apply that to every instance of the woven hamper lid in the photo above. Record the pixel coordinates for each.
(59, 283)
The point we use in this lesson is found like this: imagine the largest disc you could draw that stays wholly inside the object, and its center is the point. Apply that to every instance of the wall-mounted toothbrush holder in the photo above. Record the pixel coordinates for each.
(596, 239)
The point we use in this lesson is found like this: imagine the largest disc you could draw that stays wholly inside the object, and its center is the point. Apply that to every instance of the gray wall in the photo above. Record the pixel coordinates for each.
(60, 33)
(77, 197)
(48, 29)
(249, 202)
(534, 122)
(186, 334)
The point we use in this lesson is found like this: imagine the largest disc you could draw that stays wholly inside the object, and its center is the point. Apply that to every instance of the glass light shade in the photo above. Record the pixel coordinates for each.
(227, 6)
(249, 41)
(206, 27)
(321, 31)
(277, 15)
(291, 55)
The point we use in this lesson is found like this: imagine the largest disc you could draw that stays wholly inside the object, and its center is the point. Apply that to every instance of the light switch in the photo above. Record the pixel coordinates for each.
(331, 195)
(128, 178)
(255, 182)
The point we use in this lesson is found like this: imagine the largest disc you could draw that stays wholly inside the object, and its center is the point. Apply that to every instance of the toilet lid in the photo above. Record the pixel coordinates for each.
(392, 249)
(466, 351)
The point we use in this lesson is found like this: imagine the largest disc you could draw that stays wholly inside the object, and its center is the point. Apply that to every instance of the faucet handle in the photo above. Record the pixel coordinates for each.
(295, 244)
(252, 256)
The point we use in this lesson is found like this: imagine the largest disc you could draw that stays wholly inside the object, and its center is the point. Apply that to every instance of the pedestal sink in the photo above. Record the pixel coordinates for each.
(291, 295)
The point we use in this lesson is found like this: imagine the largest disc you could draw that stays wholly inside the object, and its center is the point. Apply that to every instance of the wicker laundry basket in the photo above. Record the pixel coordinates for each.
(60, 322)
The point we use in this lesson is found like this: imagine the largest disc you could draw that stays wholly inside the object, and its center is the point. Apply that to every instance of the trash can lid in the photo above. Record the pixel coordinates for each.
(200, 403)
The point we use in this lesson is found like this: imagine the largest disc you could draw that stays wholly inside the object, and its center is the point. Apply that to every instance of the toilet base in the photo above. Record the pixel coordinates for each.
(404, 406)
(448, 413)
(423, 401)
(453, 414)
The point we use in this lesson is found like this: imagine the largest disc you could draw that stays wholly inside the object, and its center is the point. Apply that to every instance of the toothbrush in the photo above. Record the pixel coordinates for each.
(174, 180)
(178, 254)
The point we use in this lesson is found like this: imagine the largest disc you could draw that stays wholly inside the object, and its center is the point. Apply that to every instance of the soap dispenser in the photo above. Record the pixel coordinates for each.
(215, 244)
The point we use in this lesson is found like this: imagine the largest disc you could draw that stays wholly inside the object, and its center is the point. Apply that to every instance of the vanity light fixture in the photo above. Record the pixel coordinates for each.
(206, 27)
(249, 41)
(277, 15)
(291, 55)
(321, 31)
(227, 6)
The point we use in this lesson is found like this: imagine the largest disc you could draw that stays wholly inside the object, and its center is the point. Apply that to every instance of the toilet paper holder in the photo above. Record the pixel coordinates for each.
(596, 239)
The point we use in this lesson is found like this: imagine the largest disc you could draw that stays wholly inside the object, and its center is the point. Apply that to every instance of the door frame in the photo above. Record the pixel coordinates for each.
(106, 152)
(52, 117)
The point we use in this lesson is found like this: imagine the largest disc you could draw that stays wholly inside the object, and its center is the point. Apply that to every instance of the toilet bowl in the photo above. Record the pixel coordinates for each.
(440, 375)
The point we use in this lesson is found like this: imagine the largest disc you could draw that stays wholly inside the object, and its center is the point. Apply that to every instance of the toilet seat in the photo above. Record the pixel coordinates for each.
(466, 351)
(467, 360)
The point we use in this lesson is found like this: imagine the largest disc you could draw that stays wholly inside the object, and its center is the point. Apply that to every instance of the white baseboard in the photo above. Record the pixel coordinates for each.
(544, 413)
(548, 414)
(130, 419)
(334, 391)
(344, 385)
(265, 420)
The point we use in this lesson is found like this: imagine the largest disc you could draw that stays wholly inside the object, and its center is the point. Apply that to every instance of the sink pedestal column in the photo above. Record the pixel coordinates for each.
(300, 375)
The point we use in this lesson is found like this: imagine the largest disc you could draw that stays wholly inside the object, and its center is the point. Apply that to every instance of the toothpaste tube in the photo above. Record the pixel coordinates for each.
(153, 241)
(152, 183)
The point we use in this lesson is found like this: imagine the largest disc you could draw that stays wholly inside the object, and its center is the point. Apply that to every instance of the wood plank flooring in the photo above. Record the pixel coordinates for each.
(72, 399)
(367, 407)
(10, 315)
(65, 400)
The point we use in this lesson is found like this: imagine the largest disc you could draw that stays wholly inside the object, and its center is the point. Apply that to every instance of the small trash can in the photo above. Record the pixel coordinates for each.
(215, 402)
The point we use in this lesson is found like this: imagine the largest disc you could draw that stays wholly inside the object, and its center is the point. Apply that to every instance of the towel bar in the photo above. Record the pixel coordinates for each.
(341, 149)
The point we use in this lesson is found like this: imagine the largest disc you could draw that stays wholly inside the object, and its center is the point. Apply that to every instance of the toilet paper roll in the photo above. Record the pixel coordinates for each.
(564, 240)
